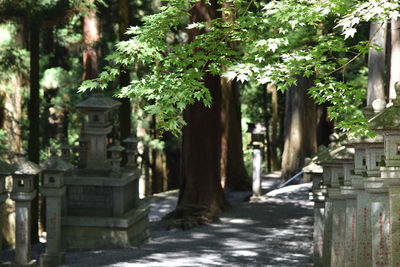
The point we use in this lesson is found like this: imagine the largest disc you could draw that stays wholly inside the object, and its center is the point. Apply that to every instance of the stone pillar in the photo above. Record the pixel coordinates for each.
(350, 194)
(380, 221)
(53, 189)
(257, 160)
(318, 198)
(363, 228)
(391, 178)
(23, 193)
(5, 170)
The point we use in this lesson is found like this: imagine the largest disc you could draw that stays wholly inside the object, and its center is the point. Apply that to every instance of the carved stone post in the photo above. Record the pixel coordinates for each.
(53, 189)
(23, 193)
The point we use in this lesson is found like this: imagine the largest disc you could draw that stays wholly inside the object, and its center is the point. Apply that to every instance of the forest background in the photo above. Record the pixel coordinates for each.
(190, 74)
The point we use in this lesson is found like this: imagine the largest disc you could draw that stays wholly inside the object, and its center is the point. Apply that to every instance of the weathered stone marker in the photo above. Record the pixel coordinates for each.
(53, 189)
(23, 192)
(349, 192)
(131, 150)
(335, 209)
(313, 172)
(257, 143)
(387, 123)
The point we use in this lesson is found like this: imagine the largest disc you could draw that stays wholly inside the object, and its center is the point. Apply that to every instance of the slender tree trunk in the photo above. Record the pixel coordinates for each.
(300, 128)
(125, 109)
(201, 195)
(376, 63)
(34, 120)
(274, 126)
(395, 57)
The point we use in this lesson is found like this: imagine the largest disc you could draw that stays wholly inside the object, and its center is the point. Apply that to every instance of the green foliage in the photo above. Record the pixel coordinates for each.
(278, 41)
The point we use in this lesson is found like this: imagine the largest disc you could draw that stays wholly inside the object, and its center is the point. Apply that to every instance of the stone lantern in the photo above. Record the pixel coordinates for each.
(314, 173)
(387, 123)
(335, 207)
(131, 150)
(116, 150)
(53, 189)
(257, 143)
(364, 183)
(23, 192)
(97, 108)
(65, 150)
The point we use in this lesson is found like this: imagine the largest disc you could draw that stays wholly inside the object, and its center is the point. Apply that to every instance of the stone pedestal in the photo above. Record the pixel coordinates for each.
(380, 221)
(23, 228)
(391, 178)
(318, 235)
(363, 227)
(103, 212)
(350, 195)
(338, 227)
(54, 254)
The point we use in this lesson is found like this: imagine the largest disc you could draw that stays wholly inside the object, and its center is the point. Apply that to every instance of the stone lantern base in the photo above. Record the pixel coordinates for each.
(50, 260)
(32, 263)
(103, 211)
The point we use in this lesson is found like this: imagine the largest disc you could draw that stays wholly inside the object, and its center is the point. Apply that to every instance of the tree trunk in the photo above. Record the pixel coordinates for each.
(233, 170)
(395, 57)
(300, 128)
(125, 109)
(274, 126)
(376, 63)
(90, 53)
(201, 194)
(34, 120)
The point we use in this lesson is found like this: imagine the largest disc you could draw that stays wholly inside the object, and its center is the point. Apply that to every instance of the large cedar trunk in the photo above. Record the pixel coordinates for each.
(376, 63)
(394, 57)
(300, 128)
(90, 52)
(233, 171)
(201, 194)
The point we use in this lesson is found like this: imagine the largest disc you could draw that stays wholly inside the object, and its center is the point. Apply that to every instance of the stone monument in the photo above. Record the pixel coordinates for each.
(101, 208)
(22, 193)
(387, 123)
(53, 189)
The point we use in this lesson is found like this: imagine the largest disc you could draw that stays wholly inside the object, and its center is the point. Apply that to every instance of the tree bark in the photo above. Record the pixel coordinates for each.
(395, 57)
(201, 194)
(233, 170)
(125, 110)
(300, 128)
(274, 126)
(376, 63)
(90, 53)
(34, 120)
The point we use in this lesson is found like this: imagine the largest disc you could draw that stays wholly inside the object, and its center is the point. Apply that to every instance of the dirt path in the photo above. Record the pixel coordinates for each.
(275, 232)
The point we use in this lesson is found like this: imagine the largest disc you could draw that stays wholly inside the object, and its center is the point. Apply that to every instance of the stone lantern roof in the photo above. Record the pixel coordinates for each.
(98, 102)
(388, 119)
(56, 164)
(6, 169)
(23, 166)
(116, 147)
(364, 140)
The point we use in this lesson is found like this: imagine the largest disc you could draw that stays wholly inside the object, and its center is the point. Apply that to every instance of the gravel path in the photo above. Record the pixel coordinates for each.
(276, 231)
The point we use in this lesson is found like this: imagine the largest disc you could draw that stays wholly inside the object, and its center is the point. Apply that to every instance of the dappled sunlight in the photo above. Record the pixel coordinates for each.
(275, 232)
